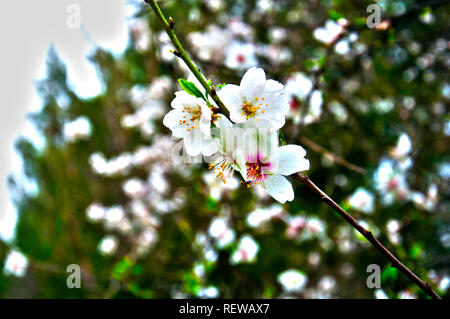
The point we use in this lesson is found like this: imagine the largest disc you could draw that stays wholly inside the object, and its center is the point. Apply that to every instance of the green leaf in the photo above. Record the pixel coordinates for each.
(220, 86)
(321, 61)
(415, 251)
(282, 137)
(190, 88)
(334, 15)
(389, 274)
(361, 21)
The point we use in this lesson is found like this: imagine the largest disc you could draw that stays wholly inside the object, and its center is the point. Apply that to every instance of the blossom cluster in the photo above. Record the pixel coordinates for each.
(390, 180)
(249, 143)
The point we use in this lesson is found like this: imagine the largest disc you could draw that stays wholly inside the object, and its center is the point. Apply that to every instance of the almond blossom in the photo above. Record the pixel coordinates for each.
(292, 280)
(191, 119)
(249, 145)
(362, 200)
(255, 99)
(246, 251)
(16, 264)
(269, 170)
(220, 230)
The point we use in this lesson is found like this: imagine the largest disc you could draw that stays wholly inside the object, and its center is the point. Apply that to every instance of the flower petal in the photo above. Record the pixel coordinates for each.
(193, 143)
(279, 188)
(210, 146)
(291, 159)
(230, 95)
(253, 82)
(182, 99)
(171, 121)
(205, 120)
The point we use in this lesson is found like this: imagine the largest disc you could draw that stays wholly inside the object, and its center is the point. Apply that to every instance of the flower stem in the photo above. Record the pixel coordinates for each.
(181, 53)
(369, 236)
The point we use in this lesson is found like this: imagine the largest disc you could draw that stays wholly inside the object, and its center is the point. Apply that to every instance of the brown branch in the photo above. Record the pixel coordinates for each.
(335, 158)
(369, 236)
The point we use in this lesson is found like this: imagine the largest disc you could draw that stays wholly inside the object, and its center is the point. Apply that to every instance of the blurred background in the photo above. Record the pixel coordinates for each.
(91, 180)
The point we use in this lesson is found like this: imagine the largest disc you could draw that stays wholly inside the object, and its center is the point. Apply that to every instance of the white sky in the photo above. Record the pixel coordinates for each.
(27, 29)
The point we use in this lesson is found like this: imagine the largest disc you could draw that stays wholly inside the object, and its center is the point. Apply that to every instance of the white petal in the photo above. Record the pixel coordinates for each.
(279, 188)
(223, 122)
(253, 82)
(276, 122)
(273, 86)
(193, 143)
(275, 96)
(171, 121)
(182, 99)
(291, 159)
(230, 95)
(205, 120)
(210, 146)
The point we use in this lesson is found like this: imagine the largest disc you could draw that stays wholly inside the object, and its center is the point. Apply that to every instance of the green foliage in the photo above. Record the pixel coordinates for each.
(189, 87)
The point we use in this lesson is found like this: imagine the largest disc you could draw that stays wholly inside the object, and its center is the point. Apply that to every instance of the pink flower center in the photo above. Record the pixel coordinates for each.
(294, 104)
(244, 254)
(392, 184)
(240, 58)
(256, 170)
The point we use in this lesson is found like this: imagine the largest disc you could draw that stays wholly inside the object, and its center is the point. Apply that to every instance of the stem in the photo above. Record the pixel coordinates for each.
(370, 237)
(181, 53)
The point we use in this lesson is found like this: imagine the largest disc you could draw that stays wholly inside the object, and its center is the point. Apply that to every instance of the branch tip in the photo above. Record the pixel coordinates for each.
(176, 53)
(171, 22)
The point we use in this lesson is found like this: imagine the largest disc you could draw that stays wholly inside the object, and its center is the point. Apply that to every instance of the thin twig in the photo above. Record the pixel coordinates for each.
(181, 53)
(370, 237)
(335, 158)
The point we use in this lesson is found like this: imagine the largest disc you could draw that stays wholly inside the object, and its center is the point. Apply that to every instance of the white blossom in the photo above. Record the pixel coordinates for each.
(217, 187)
(16, 264)
(77, 129)
(246, 250)
(134, 188)
(262, 215)
(108, 245)
(211, 44)
(293, 280)
(220, 230)
(329, 33)
(208, 292)
(362, 200)
(391, 182)
(256, 99)
(270, 168)
(241, 56)
(95, 212)
(380, 294)
(191, 119)
(140, 33)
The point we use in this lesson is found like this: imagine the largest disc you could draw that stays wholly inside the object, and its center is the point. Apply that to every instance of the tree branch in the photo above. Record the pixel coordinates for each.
(369, 236)
(181, 53)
